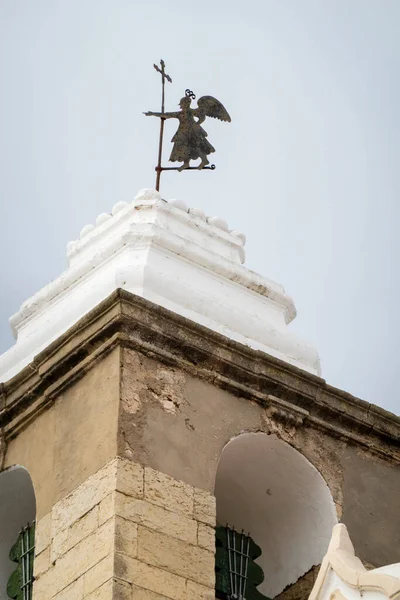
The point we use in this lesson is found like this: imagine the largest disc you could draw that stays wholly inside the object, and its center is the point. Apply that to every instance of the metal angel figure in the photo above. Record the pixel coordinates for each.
(190, 141)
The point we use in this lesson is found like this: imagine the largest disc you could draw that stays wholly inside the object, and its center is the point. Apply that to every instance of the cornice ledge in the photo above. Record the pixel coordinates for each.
(341, 559)
(285, 412)
(129, 321)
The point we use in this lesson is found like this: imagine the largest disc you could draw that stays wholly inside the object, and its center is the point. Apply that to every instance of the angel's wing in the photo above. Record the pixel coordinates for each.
(211, 107)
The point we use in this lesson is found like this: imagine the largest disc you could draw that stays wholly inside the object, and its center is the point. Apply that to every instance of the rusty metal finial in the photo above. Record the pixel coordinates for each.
(190, 140)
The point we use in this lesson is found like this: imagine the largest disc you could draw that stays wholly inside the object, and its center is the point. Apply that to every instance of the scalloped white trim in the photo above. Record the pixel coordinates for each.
(172, 256)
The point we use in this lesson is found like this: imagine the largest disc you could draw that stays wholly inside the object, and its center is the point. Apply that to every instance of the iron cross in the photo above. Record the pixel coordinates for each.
(162, 71)
(164, 77)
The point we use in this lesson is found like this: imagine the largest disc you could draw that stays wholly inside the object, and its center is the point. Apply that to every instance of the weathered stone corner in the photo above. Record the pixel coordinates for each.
(127, 531)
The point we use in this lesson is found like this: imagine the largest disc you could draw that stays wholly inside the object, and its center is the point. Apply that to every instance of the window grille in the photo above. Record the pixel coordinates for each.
(237, 575)
(238, 558)
(20, 582)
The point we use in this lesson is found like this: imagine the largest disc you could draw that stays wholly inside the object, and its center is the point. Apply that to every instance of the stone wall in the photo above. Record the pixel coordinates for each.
(127, 532)
(73, 437)
(302, 588)
(179, 423)
(134, 380)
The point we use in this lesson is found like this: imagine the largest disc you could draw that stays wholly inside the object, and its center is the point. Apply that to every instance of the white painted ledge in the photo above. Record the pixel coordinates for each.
(173, 256)
(343, 576)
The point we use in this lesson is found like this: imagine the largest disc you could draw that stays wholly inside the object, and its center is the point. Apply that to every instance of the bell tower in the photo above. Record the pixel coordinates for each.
(154, 392)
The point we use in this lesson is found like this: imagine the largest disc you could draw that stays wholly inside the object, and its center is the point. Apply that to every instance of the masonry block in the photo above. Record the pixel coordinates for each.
(84, 497)
(98, 574)
(43, 533)
(150, 578)
(165, 491)
(206, 537)
(204, 507)
(176, 556)
(155, 517)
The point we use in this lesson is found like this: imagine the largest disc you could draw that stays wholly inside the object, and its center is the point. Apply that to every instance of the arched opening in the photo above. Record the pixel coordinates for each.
(17, 509)
(267, 488)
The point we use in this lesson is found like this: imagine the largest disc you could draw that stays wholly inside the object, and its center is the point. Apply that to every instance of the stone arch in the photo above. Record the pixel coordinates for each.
(266, 487)
(17, 508)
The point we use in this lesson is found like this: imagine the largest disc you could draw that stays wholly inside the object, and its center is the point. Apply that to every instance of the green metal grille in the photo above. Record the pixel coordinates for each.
(238, 557)
(20, 582)
(237, 576)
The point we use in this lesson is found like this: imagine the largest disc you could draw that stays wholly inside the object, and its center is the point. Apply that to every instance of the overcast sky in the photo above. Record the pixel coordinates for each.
(308, 168)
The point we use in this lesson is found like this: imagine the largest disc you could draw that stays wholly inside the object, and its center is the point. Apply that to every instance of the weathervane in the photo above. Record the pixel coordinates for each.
(190, 140)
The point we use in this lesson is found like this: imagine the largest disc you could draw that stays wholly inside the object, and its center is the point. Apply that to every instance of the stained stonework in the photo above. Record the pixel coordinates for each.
(192, 424)
(73, 437)
(136, 381)
(302, 588)
(368, 488)
(2, 451)
(127, 530)
(145, 383)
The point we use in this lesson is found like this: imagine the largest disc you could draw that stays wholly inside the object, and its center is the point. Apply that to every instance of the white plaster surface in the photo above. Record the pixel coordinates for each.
(334, 583)
(393, 570)
(17, 508)
(174, 256)
(267, 488)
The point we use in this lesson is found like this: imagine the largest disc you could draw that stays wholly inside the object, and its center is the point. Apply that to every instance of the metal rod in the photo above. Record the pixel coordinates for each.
(29, 592)
(162, 121)
(23, 565)
(229, 560)
(241, 565)
(159, 169)
(234, 561)
(30, 566)
(246, 566)
(26, 561)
